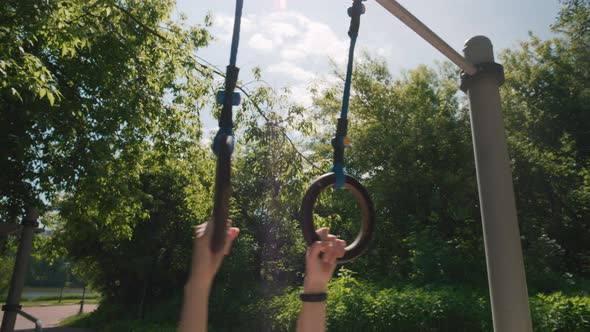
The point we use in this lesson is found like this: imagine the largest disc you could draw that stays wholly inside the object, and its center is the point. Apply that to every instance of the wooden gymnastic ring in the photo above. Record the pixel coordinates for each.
(362, 196)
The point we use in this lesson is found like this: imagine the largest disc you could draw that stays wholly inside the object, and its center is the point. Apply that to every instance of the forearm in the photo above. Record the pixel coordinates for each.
(195, 307)
(312, 317)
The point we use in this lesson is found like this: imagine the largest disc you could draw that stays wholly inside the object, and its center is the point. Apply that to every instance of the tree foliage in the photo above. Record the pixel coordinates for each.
(151, 261)
(100, 118)
(546, 102)
(6, 266)
(411, 145)
(85, 87)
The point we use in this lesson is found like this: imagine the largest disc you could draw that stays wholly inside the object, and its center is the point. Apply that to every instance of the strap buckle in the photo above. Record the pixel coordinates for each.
(236, 99)
(338, 143)
(355, 13)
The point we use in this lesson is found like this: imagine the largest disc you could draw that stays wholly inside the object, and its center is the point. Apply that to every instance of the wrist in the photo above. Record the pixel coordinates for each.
(310, 287)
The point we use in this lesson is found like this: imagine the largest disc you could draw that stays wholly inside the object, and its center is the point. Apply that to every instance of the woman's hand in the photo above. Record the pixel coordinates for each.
(206, 263)
(319, 270)
(204, 267)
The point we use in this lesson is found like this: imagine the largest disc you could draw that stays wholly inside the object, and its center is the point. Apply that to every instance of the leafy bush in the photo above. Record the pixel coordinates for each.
(114, 317)
(6, 266)
(558, 312)
(67, 297)
(355, 305)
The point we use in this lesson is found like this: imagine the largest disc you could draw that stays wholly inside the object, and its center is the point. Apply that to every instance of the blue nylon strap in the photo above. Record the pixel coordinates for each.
(338, 170)
(236, 35)
(355, 11)
(348, 81)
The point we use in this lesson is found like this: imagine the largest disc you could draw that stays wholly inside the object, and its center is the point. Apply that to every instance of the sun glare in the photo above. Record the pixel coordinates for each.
(280, 4)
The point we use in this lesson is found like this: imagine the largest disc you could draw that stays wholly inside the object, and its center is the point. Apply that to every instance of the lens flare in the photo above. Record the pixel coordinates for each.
(280, 4)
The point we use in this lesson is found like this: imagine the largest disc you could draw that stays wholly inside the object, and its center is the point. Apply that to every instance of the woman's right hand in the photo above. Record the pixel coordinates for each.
(319, 270)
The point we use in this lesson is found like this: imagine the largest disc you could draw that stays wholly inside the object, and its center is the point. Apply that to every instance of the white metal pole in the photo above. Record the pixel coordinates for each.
(423, 31)
(481, 80)
(506, 275)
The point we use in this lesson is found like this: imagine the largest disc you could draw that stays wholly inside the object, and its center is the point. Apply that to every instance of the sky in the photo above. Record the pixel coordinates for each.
(294, 41)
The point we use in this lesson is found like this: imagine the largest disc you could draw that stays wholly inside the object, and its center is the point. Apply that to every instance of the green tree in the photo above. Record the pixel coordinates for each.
(268, 183)
(6, 266)
(547, 114)
(100, 115)
(154, 259)
(411, 147)
(85, 87)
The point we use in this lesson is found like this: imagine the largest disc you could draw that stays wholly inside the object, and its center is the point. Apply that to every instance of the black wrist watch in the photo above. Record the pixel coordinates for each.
(313, 297)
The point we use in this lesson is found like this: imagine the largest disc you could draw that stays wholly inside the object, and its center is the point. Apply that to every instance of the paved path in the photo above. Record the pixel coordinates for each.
(51, 316)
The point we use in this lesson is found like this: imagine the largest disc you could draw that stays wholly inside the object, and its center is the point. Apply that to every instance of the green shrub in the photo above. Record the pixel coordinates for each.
(6, 267)
(285, 309)
(235, 309)
(557, 312)
(355, 305)
(109, 317)
(66, 297)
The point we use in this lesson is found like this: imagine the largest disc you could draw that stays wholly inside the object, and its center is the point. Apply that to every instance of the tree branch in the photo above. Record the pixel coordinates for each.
(219, 73)
(140, 23)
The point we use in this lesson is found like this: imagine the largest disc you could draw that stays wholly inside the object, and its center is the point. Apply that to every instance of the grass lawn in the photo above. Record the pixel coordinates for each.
(66, 300)
(46, 303)
(73, 320)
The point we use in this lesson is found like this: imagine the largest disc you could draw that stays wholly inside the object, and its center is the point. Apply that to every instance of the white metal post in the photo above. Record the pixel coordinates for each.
(506, 276)
(481, 80)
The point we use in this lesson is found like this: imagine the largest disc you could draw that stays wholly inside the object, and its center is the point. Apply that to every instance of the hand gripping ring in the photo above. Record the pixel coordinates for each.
(362, 196)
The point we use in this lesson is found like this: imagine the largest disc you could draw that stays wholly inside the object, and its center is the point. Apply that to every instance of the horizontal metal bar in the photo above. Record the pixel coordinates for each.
(423, 31)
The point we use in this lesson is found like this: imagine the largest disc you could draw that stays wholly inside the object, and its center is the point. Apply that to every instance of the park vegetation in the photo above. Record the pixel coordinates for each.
(100, 129)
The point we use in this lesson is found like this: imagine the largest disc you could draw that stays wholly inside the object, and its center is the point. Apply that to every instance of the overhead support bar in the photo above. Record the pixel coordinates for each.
(432, 38)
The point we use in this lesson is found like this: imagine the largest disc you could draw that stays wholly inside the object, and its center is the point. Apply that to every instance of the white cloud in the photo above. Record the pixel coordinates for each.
(223, 26)
(301, 38)
(300, 94)
(260, 43)
(292, 35)
(291, 46)
(281, 30)
(384, 52)
(292, 71)
(300, 91)
(316, 40)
